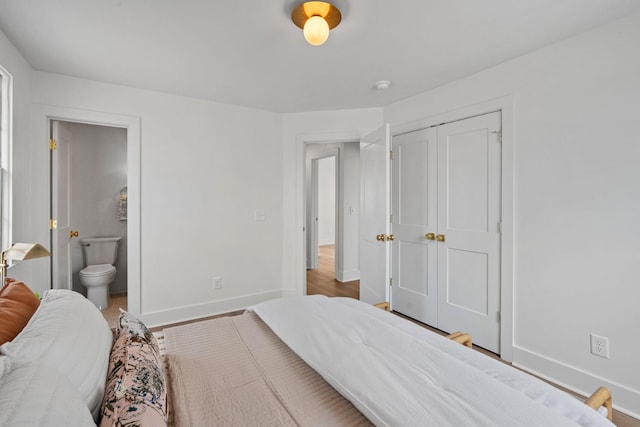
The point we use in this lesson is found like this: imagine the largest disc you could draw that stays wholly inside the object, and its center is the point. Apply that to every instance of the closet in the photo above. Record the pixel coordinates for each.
(446, 226)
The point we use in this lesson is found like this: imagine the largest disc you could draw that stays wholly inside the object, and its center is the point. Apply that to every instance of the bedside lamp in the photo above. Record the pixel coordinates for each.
(20, 252)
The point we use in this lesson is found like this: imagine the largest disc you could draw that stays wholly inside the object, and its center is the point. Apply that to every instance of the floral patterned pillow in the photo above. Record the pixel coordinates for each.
(135, 393)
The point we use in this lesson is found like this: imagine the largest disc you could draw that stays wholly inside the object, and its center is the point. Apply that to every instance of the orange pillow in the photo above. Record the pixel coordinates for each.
(17, 305)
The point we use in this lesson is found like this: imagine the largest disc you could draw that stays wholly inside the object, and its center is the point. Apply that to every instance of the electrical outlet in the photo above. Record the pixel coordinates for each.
(217, 282)
(600, 346)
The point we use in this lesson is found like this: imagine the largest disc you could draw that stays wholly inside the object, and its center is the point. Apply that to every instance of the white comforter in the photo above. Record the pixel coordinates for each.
(399, 374)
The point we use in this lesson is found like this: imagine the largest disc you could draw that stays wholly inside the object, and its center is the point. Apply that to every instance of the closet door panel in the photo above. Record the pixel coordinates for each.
(469, 223)
(414, 208)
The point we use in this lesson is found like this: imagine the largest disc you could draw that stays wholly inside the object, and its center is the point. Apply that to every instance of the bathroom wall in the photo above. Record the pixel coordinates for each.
(98, 172)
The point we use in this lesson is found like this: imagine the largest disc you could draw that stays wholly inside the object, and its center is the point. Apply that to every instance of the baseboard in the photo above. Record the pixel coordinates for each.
(289, 293)
(584, 383)
(347, 276)
(211, 308)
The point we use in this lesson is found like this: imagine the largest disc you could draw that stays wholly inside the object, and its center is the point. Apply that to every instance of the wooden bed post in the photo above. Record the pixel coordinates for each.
(461, 338)
(383, 305)
(601, 397)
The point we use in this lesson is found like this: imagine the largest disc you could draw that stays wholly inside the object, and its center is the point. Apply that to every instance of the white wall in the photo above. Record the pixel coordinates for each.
(205, 169)
(298, 129)
(21, 166)
(577, 201)
(98, 172)
(326, 201)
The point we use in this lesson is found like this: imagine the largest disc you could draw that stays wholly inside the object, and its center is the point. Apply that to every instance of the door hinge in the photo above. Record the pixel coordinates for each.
(390, 281)
(498, 135)
(391, 155)
(52, 144)
(53, 224)
(498, 315)
(500, 227)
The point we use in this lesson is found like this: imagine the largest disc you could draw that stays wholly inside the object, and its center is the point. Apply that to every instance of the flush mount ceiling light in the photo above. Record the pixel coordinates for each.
(316, 18)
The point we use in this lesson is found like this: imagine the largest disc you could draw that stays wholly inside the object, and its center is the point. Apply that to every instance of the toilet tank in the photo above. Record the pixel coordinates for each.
(100, 250)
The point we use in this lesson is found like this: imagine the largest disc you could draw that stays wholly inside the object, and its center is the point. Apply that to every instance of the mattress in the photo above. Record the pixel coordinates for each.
(236, 371)
(400, 374)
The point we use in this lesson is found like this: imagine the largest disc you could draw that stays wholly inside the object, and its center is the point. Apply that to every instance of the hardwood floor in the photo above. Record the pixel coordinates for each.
(323, 280)
(112, 313)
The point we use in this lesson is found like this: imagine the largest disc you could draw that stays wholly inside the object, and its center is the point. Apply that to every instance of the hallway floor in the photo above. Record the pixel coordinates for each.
(323, 280)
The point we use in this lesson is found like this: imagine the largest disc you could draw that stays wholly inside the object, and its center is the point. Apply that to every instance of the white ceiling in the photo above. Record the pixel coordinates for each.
(248, 52)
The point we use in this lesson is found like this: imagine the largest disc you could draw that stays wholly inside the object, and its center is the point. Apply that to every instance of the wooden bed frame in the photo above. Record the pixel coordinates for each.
(601, 397)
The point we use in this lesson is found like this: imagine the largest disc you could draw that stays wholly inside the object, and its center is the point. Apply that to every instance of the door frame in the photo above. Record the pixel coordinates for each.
(42, 116)
(313, 189)
(300, 254)
(505, 105)
(57, 128)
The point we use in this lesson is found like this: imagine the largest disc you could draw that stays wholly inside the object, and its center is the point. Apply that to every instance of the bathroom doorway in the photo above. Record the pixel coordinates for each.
(88, 199)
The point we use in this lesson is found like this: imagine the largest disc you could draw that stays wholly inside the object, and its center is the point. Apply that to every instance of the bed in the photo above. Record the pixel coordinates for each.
(295, 361)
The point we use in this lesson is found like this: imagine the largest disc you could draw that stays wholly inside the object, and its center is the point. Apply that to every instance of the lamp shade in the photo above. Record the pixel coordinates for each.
(20, 252)
(23, 251)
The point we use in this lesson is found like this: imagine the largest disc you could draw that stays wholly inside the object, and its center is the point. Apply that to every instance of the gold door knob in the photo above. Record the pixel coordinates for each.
(390, 237)
(380, 237)
(430, 236)
(73, 234)
(440, 237)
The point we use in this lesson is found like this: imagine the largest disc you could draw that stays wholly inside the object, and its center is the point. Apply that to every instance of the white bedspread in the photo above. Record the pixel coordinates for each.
(399, 374)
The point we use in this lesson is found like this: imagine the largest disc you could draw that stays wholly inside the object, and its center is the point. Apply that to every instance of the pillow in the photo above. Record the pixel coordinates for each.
(34, 395)
(69, 334)
(17, 305)
(135, 393)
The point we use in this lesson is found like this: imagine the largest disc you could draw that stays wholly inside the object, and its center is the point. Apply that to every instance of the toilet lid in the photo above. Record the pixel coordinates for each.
(97, 270)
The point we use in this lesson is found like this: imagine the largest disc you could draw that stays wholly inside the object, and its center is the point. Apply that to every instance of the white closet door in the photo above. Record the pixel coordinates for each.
(414, 208)
(374, 216)
(469, 154)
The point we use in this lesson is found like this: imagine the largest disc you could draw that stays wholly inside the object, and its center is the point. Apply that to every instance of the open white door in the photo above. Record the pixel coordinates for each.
(61, 277)
(375, 245)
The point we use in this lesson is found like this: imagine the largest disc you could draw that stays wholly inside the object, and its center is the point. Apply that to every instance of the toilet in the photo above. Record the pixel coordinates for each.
(100, 255)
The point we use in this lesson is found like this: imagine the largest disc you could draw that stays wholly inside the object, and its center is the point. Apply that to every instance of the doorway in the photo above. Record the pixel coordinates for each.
(88, 193)
(322, 232)
(331, 194)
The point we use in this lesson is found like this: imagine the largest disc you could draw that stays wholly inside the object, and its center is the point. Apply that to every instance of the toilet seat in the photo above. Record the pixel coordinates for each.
(97, 270)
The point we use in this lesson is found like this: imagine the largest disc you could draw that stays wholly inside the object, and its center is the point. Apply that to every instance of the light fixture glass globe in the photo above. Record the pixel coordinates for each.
(316, 30)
